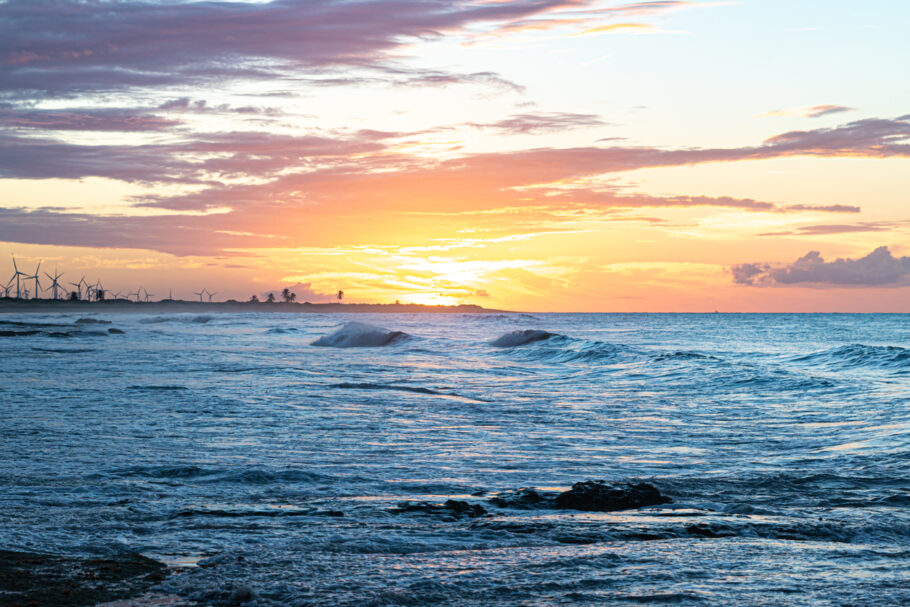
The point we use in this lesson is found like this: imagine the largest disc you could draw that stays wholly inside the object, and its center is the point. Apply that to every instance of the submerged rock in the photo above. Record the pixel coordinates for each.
(115, 331)
(456, 508)
(42, 579)
(92, 321)
(243, 594)
(591, 496)
(599, 496)
(524, 499)
(25, 333)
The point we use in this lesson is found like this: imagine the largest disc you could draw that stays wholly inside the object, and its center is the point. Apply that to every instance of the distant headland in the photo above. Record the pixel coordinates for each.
(45, 306)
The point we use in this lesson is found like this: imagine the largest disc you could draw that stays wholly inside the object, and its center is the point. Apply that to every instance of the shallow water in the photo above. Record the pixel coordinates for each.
(784, 441)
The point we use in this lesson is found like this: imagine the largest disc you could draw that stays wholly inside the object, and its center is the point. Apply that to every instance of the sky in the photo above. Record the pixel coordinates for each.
(539, 155)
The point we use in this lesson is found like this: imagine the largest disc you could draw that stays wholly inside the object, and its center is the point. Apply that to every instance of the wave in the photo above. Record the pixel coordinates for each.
(856, 356)
(683, 355)
(281, 330)
(249, 476)
(369, 386)
(521, 338)
(543, 346)
(162, 388)
(188, 319)
(360, 335)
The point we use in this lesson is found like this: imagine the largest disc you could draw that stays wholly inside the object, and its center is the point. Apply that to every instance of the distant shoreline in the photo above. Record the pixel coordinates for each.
(123, 306)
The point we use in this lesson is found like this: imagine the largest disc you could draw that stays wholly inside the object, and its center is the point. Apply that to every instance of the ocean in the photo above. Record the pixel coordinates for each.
(233, 449)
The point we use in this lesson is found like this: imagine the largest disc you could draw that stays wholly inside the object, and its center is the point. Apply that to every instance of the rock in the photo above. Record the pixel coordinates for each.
(598, 496)
(92, 321)
(243, 594)
(45, 580)
(524, 499)
(459, 507)
(454, 508)
(116, 331)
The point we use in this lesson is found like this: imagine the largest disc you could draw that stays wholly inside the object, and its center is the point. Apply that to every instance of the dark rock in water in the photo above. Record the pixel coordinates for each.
(18, 333)
(598, 496)
(41, 579)
(454, 508)
(243, 594)
(524, 499)
(92, 321)
(116, 331)
(459, 507)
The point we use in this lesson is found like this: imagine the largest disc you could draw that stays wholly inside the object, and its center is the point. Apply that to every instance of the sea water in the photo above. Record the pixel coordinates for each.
(231, 446)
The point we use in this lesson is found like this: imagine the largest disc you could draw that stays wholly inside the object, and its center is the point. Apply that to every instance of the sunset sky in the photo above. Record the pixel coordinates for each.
(559, 155)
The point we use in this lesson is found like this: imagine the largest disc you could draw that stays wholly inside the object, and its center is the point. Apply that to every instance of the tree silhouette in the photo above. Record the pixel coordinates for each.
(340, 295)
(254, 298)
(270, 298)
(99, 294)
(74, 296)
(288, 296)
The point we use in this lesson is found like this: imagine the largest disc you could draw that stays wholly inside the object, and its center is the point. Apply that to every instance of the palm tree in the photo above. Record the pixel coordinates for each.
(340, 295)
(287, 296)
(254, 298)
(270, 298)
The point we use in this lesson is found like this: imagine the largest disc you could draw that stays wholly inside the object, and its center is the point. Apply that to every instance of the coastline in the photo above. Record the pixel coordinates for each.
(123, 306)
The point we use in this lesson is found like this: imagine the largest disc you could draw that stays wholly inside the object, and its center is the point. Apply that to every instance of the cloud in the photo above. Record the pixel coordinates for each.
(106, 119)
(815, 111)
(544, 122)
(877, 269)
(310, 180)
(60, 48)
(197, 159)
(581, 18)
(823, 229)
(873, 137)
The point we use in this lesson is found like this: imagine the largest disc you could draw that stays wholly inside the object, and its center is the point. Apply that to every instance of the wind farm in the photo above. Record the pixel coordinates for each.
(50, 296)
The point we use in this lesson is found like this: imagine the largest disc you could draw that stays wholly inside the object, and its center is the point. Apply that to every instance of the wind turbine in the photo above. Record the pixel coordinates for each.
(78, 286)
(135, 294)
(204, 291)
(98, 290)
(147, 294)
(211, 295)
(6, 288)
(54, 284)
(35, 278)
(16, 277)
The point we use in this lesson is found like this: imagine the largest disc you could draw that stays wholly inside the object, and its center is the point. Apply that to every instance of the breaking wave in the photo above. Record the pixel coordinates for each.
(855, 356)
(360, 335)
(543, 346)
(189, 319)
(521, 338)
